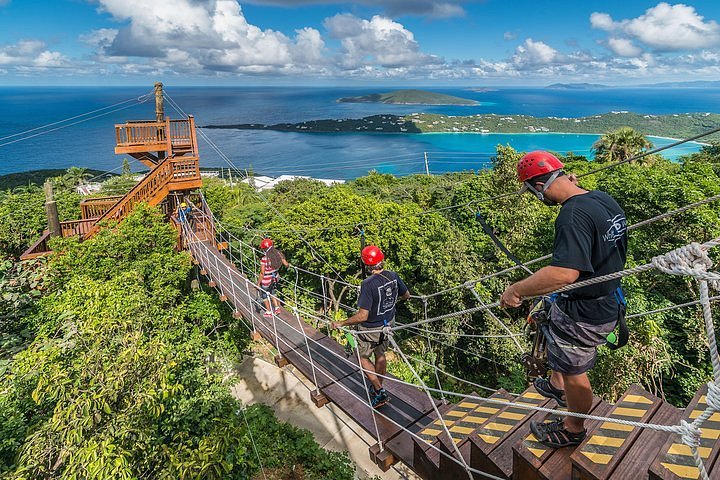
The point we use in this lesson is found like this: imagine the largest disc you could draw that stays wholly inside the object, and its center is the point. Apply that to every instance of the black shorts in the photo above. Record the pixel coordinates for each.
(571, 345)
(267, 291)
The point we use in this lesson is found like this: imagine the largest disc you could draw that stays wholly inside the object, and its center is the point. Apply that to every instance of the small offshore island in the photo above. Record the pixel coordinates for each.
(675, 125)
(410, 97)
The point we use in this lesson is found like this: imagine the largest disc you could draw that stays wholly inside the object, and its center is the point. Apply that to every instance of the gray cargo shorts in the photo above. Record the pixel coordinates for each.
(372, 343)
(578, 356)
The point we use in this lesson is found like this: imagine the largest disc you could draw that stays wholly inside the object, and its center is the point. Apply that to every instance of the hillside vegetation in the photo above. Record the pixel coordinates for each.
(410, 97)
(112, 366)
(676, 126)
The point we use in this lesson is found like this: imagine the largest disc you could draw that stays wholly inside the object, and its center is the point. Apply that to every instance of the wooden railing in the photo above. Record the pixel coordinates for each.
(173, 135)
(77, 227)
(140, 133)
(152, 189)
(37, 249)
(96, 207)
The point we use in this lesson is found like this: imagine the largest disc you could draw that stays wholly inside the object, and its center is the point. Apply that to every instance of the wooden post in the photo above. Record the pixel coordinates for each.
(159, 103)
(51, 211)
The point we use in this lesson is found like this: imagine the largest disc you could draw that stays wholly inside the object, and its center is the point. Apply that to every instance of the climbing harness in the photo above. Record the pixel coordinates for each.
(535, 361)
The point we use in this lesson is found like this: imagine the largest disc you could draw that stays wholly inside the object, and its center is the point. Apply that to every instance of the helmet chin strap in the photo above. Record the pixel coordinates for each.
(540, 194)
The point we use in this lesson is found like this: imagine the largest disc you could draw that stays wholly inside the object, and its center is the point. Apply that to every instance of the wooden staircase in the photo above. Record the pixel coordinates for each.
(496, 439)
(168, 147)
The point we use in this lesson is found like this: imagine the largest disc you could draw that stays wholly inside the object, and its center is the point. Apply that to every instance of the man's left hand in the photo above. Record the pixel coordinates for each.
(510, 298)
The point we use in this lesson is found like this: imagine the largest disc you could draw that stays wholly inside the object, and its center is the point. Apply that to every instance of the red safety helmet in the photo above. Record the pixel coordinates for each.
(266, 243)
(372, 255)
(537, 163)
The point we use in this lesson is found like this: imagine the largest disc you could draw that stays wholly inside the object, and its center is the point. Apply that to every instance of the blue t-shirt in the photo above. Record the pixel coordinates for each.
(378, 295)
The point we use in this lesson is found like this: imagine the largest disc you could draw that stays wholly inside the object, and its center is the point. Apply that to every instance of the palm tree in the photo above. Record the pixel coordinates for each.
(74, 176)
(620, 144)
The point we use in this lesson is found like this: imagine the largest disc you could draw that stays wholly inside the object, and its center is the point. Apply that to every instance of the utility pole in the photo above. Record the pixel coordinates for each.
(51, 211)
(427, 166)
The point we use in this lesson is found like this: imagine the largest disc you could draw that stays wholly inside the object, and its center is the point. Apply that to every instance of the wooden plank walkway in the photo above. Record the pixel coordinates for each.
(338, 375)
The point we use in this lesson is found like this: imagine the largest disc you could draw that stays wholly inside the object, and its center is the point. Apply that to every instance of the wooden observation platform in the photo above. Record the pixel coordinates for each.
(168, 147)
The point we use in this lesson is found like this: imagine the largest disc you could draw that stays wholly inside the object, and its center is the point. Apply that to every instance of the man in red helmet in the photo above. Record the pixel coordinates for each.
(270, 265)
(590, 241)
(379, 294)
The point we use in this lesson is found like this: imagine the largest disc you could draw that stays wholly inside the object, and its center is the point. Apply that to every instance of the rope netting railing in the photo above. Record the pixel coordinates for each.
(691, 260)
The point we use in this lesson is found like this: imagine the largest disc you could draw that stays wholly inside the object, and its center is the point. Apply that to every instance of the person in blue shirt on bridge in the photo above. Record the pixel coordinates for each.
(590, 241)
(379, 294)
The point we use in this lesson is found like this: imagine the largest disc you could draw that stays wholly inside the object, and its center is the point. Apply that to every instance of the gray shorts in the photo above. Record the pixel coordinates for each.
(571, 345)
(372, 343)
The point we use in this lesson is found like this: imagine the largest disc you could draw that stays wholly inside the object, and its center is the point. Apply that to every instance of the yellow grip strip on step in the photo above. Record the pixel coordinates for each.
(606, 441)
(629, 412)
(682, 471)
(513, 416)
(637, 399)
(616, 426)
(462, 430)
(600, 458)
(682, 449)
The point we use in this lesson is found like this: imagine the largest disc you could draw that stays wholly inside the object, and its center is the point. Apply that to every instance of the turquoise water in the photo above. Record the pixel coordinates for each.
(354, 154)
(90, 144)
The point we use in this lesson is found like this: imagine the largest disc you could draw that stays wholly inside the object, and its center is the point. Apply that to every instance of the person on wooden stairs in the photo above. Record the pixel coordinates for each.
(379, 294)
(184, 212)
(590, 241)
(270, 265)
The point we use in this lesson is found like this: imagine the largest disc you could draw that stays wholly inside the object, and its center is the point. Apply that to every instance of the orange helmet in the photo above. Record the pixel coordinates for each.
(372, 255)
(266, 243)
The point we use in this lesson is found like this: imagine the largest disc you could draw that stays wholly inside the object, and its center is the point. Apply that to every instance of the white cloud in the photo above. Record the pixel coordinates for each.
(532, 53)
(211, 35)
(31, 54)
(393, 8)
(664, 27)
(509, 36)
(378, 40)
(624, 47)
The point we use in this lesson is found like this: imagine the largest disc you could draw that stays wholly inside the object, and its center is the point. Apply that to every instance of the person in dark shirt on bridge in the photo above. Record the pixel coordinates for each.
(378, 297)
(590, 241)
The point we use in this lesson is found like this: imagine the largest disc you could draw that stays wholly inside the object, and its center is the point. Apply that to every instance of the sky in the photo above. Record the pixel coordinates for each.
(367, 42)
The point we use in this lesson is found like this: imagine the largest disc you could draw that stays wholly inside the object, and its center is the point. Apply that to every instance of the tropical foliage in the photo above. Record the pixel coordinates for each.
(118, 371)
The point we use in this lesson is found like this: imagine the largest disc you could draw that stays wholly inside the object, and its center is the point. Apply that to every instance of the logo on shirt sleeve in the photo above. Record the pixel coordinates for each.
(618, 227)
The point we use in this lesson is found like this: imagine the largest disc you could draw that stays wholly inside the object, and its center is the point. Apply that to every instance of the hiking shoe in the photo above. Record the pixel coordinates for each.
(277, 310)
(379, 399)
(555, 435)
(546, 389)
(267, 314)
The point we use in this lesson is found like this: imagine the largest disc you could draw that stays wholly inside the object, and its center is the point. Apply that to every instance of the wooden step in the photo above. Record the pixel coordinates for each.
(468, 413)
(603, 450)
(534, 461)
(638, 459)
(675, 461)
(488, 450)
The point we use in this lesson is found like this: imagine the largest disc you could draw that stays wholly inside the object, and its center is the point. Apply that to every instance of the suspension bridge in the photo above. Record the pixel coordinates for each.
(482, 435)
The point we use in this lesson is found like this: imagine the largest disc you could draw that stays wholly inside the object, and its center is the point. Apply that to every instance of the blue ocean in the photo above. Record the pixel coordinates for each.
(88, 140)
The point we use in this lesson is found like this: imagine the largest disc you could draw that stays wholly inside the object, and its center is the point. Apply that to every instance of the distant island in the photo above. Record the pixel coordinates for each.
(576, 86)
(676, 125)
(410, 97)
